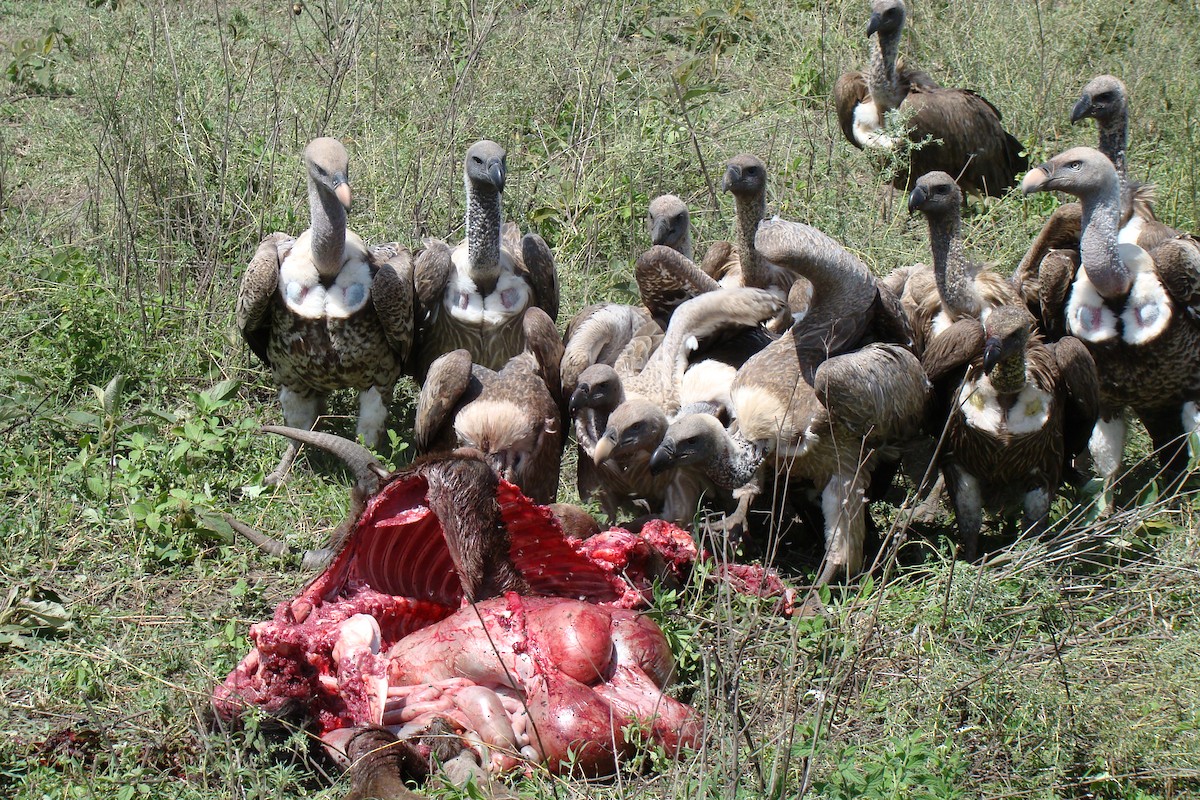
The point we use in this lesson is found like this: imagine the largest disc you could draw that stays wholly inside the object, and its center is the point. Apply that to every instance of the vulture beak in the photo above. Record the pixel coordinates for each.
(660, 231)
(341, 188)
(732, 175)
(496, 172)
(917, 198)
(663, 458)
(873, 24)
(577, 397)
(991, 354)
(1081, 109)
(604, 448)
(1036, 179)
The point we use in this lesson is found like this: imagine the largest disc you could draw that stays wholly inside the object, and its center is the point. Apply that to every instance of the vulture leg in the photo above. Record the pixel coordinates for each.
(1037, 511)
(968, 509)
(844, 504)
(299, 411)
(372, 414)
(1107, 444)
(734, 525)
(1170, 434)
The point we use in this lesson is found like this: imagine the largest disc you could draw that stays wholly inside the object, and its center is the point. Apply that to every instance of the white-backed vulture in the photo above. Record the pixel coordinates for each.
(1019, 412)
(1136, 312)
(670, 223)
(954, 288)
(815, 405)
(512, 416)
(474, 295)
(620, 418)
(1055, 251)
(324, 312)
(951, 130)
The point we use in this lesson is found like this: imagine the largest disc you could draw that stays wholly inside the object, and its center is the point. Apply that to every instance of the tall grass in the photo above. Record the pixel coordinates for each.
(146, 147)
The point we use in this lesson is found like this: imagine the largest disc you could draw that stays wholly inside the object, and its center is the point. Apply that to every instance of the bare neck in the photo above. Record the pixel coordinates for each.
(483, 236)
(1008, 377)
(750, 212)
(954, 274)
(328, 229)
(1098, 244)
(882, 79)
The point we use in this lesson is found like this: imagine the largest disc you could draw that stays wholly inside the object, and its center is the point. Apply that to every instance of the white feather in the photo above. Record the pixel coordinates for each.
(868, 127)
(982, 411)
(464, 302)
(1147, 310)
(300, 283)
(1131, 230)
(372, 416)
(1087, 316)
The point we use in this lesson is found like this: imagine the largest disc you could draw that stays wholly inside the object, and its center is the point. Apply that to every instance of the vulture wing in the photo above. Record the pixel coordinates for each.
(666, 278)
(444, 389)
(879, 391)
(392, 295)
(257, 295)
(848, 92)
(538, 263)
(431, 272)
(1178, 263)
(543, 342)
(1079, 387)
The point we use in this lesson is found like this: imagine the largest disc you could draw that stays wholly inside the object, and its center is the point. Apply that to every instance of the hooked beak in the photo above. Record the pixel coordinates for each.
(873, 24)
(917, 198)
(496, 173)
(577, 398)
(1036, 179)
(991, 354)
(733, 174)
(660, 231)
(604, 448)
(662, 459)
(341, 188)
(1082, 109)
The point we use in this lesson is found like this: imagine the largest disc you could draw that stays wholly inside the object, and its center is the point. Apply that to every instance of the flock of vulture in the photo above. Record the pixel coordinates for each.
(778, 359)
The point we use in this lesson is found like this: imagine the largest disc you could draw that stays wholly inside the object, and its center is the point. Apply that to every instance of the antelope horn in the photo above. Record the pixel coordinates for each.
(365, 467)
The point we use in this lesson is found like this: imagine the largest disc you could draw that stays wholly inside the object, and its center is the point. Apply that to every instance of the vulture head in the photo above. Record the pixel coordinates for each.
(745, 176)
(507, 435)
(670, 223)
(887, 18)
(484, 167)
(1103, 99)
(1082, 171)
(693, 439)
(598, 387)
(935, 194)
(635, 426)
(1007, 330)
(329, 168)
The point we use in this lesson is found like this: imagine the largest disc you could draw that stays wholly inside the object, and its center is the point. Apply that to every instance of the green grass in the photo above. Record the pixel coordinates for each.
(145, 148)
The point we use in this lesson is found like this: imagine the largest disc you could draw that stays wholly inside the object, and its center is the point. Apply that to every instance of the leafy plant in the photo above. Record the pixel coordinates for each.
(33, 63)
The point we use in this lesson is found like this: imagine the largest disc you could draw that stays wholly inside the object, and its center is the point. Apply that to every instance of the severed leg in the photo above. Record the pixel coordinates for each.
(300, 410)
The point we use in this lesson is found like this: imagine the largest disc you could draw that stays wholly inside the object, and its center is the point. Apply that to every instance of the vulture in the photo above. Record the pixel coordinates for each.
(325, 312)
(664, 281)
(474, 295)
(512, 416)
(951, 130)
(670, 224)
(955, 288)
(1055, 251)
(1137, 312)
(1019, 412)
(815, 405)
(620, 419)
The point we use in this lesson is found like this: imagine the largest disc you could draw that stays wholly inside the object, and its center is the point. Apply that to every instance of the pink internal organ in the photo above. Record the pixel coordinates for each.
(541, 679)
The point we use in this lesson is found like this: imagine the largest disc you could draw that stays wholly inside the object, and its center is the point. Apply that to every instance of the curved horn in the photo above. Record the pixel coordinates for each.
(365, 467)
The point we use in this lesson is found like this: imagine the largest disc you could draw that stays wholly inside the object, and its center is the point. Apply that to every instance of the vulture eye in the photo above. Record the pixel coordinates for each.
(1104, 97)
(477, 159)
(1075, 165)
